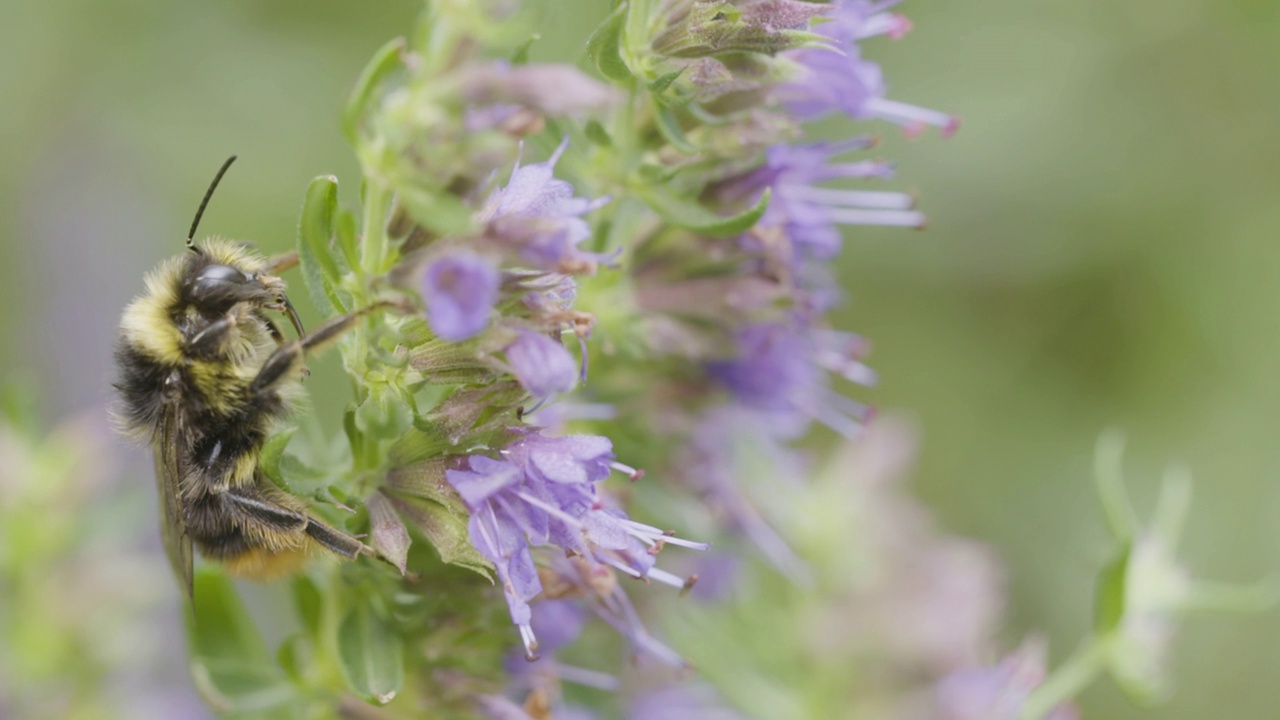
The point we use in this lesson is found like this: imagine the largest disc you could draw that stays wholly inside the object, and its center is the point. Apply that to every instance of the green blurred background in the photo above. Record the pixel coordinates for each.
(1103, 250)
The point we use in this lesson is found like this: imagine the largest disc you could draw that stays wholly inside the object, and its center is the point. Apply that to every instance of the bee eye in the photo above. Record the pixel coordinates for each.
(214, 288)
(221, 274)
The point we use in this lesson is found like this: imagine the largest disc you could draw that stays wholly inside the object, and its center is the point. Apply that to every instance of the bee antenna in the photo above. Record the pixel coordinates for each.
(191, 234)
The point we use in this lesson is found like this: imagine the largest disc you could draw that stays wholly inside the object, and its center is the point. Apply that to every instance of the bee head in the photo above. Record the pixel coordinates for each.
(212, 285)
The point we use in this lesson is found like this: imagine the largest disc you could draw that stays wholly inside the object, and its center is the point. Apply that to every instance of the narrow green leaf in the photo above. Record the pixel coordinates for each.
(692, 216)
(371, 653)
(603, 48)
(659, 85)
(346, 226)
(309, 603)
(521, 55)
(669, 126)
(597, 134)
(383, 63)
(1108, 607)
(272, 451)
(315, 230)
(294, 655)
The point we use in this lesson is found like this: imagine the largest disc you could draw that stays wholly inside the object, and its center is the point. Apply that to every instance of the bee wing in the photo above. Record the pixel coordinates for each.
(173, 525)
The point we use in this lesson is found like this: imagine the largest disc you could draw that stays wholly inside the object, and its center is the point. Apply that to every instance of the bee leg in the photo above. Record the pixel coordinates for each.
(208, 341)
(289, 356)
(253, 508)
(281, 263)
(336, 541)
(262, 512)
(272, 328)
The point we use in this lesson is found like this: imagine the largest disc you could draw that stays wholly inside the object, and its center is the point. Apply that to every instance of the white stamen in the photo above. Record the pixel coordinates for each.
(587, 678)
(650, 534)
(892, 24)
(846, 367)
(627, 470)
(667, 578)
(863, 169)
(909, 115)
(530, 642)
(829, 416)
(610, 560)
(893, 218)
(853, 198)
(551, 510)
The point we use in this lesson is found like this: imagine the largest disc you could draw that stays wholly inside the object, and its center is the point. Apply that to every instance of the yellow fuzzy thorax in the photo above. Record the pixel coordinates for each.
(147, 323)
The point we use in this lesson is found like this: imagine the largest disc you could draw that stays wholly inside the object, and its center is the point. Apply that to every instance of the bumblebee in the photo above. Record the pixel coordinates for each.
(204, 376)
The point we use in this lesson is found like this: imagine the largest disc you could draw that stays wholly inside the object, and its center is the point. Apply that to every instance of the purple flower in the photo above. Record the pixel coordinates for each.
(542, 365)
(557, 623)
(839, 80)
(460, 290)
(997, 692)
(538, 215)
(810, 215)
(781, 369)
(543, 493)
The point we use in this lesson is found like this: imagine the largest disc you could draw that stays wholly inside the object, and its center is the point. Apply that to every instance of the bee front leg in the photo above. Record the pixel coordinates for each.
(290, 356)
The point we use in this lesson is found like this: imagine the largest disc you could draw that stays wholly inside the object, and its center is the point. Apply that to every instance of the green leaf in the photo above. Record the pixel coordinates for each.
(294, 655)
(315, 230)
(1109, 600)
(230, 662)
(309, 603)
(521, 55)
(692, 216)
(603, 47)
(659, 85)
(371, 653)
(272, 451)
(346, 227)
(383, 63)
(669, 126)
(597, 134)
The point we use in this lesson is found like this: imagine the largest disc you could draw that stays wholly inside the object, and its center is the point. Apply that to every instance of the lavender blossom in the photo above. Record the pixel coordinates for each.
(538, 215)
(460, 290)
(542, 365)
(781, 369)
(997, 692)
(809, 214)
(839, 80)
(543, 493)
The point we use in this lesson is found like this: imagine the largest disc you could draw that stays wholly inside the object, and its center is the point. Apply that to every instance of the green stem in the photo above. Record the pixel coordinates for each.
(374, 251)
(1068, 679)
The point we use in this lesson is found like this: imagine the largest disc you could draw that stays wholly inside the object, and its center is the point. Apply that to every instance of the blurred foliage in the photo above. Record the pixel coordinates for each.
(1102, 250)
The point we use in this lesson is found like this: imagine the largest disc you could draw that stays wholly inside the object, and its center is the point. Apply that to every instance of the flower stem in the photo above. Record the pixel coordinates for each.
(1068, 679)
(373, 254)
